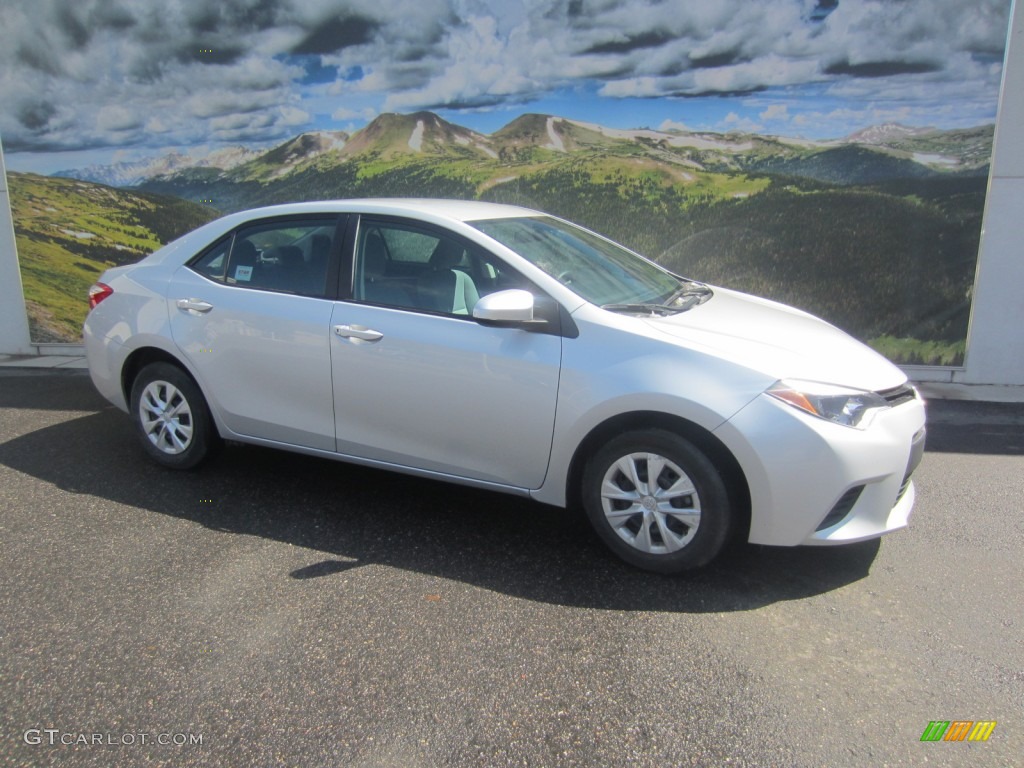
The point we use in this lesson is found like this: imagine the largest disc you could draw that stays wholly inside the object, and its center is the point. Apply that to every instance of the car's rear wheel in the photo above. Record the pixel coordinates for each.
(171, 417)
(657, 501)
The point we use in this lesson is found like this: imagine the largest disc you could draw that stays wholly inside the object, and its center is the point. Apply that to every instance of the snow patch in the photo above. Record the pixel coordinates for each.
(556, 141)
(886, 133)
(691, 140)
(796, 141)
(79, 235)
(416, 140)
(925, 159)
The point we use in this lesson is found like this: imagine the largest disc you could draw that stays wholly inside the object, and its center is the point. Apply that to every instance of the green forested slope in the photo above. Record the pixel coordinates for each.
(69, 231)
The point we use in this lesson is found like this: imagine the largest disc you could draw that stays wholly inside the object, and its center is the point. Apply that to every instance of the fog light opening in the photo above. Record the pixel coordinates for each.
(841, 508)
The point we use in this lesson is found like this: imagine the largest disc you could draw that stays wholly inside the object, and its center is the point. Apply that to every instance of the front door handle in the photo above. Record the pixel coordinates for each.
(194, 305)
(358, 332)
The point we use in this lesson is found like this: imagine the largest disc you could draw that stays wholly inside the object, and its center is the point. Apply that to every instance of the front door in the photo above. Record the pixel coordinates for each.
(419, 383)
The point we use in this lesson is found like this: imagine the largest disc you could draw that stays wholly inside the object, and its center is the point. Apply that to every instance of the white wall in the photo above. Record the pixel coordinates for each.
(994, 364)
(995, 342)
(14, 338)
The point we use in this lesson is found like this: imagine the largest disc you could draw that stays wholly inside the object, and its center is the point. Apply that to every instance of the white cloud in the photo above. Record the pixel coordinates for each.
(642, 87)
(181, 72)
(733, 122)
(114, 117)
(156, 125)
(483, 65)
(673, 125)
(775, 112)
(293, 116)
(344, 113)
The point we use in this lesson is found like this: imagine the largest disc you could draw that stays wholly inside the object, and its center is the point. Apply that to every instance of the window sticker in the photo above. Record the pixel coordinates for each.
(243, 274)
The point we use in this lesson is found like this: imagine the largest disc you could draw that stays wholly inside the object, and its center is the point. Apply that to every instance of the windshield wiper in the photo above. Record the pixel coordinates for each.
(680, 301)
(648, 309)
(690, 289)
(688, 295)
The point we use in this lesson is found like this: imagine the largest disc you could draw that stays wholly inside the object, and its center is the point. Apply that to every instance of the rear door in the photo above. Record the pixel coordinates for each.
(252, 316)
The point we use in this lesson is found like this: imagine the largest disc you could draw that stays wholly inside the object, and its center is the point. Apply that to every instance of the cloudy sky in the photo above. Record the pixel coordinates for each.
(102, 80)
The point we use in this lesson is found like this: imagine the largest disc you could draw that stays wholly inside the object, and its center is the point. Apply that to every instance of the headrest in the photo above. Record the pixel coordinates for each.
(447, 254)
(375, 258)
(244, 254)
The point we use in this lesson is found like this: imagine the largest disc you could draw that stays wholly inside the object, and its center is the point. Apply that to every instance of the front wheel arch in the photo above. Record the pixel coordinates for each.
(732, 474)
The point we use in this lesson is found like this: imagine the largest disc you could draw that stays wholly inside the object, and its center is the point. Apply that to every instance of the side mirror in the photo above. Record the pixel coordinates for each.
(511, 307)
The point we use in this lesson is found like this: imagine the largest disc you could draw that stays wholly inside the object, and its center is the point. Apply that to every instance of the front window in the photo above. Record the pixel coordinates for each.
(422, 269)
(596, 269)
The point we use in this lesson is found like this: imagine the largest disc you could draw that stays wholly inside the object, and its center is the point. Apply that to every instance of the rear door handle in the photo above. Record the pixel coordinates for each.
(194, 305)
(358, 332)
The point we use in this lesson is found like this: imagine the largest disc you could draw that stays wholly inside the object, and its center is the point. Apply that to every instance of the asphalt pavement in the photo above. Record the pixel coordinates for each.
(272, 609)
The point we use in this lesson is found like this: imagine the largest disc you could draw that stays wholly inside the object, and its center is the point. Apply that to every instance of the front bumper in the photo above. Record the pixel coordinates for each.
(800, 468)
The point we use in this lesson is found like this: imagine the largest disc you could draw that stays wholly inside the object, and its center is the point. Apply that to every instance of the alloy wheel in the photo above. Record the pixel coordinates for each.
(166, 417)
(650, 503)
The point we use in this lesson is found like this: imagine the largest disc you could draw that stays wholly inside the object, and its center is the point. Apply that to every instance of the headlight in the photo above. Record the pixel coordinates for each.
(849, 407)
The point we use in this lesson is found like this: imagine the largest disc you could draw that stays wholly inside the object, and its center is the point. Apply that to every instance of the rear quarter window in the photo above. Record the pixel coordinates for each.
(214, 260)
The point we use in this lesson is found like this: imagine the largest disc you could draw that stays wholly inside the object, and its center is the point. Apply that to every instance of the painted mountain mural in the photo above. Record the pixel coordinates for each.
(877, 232)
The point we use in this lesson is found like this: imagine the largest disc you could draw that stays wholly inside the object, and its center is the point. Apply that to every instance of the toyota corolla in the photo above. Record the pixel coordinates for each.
(507, 349)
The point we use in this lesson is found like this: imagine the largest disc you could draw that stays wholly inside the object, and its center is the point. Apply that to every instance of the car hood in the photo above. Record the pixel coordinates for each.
(780, 341)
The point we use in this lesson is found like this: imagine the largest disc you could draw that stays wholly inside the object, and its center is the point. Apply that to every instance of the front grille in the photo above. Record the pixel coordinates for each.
(898, 395)
(842, 508)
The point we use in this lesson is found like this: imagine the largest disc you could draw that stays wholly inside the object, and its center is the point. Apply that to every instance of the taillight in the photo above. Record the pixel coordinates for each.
(97, 293)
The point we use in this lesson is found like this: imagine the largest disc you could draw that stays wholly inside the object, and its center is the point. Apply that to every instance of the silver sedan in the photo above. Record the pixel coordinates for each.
(503, 348)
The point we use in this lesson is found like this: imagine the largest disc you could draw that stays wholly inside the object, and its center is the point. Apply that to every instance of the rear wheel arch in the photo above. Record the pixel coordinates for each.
(171, 417)
(142, 357)
(713, 448)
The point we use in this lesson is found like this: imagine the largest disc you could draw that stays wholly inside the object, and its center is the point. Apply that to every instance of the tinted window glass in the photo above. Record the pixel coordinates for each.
(288, 256)
(213, 262)
(426, 270)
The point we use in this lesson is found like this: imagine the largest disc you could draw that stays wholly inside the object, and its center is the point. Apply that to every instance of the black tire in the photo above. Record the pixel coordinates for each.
(686, 531)
(188, 436)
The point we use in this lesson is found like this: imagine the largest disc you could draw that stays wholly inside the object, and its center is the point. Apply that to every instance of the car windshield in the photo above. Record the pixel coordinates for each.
(596, 269)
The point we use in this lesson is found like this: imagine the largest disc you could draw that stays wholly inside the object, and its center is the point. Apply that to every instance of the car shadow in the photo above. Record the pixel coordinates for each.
(50, 389)
(357, 516)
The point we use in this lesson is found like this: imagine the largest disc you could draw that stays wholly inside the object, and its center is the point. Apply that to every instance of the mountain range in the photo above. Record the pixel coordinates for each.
(877, 232)
(132, 173)
(875, 153)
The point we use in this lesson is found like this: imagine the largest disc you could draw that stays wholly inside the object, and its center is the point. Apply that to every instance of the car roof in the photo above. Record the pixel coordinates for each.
(437, 211)
(452, 210)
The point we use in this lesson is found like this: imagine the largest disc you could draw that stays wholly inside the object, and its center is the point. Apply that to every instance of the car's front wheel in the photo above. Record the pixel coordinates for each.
(657, 501)
(171, 417)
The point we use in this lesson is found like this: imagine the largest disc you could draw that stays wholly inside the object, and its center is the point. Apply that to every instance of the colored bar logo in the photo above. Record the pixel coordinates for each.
(958, 730)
